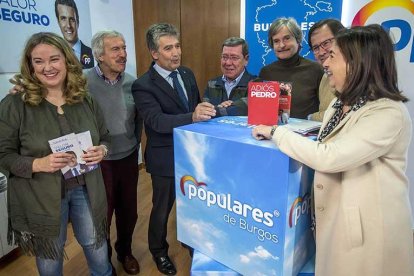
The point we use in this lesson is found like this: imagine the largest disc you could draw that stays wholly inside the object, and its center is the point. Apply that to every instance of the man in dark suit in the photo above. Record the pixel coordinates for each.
(68, 18)
(166, 96)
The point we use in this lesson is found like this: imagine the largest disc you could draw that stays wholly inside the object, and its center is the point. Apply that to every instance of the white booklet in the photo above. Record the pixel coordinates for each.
(303, 126)
(75, 144)
(85, 142)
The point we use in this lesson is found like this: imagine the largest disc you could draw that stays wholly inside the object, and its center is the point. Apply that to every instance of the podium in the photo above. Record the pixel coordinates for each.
(241, 202)
(205, 266)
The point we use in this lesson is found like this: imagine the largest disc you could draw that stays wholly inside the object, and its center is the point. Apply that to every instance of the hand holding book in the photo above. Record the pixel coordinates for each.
(82, 156)
(94, 155)
(51, 163)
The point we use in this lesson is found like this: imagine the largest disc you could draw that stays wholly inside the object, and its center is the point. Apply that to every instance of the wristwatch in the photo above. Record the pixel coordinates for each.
(272, 131)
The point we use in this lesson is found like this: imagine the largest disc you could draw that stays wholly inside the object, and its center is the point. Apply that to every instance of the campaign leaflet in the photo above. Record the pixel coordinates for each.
(263, 99)
(85, 142)
(73, 144)
(304, 127)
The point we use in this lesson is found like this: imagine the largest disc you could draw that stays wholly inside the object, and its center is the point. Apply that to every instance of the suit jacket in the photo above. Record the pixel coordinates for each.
(216, 93)
(326, 94)
(362, 208)
(86, 57)
(69, 173)
(162, 110)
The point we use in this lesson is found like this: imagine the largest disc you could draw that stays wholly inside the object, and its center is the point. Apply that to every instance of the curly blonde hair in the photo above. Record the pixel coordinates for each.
(33, 91)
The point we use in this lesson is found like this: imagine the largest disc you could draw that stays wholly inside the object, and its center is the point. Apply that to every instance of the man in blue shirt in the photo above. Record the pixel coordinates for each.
(228, 93)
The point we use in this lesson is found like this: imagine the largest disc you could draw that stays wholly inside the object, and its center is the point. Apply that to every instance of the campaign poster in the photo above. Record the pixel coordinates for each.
(20, 19)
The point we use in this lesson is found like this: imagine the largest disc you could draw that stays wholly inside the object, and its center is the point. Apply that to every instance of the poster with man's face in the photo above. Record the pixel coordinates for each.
(68, 23)
(20, 19)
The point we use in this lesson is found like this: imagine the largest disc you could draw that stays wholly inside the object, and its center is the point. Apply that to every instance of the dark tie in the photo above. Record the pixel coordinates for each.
(179, 89)
(75, 172)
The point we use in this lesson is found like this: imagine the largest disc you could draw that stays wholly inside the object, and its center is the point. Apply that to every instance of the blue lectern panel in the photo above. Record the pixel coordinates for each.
(240, 201)
(205, 266)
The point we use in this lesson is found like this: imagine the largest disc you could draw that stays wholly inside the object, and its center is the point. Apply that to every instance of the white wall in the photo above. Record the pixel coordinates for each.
(5, 85)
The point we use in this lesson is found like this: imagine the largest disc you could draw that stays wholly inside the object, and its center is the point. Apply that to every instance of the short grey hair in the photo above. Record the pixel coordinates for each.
(158, 30)
(290, 23)
(98, 41)
(236, 41)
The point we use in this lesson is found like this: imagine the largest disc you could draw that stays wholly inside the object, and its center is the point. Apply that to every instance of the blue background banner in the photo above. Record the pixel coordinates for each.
(260, 14)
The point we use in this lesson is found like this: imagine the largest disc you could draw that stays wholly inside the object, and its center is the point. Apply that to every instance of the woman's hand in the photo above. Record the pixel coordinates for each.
(262, 132)
(51, 162)
(95, 154)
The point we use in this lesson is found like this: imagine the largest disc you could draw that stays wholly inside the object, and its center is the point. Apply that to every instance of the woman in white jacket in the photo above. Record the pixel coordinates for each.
(362, 208)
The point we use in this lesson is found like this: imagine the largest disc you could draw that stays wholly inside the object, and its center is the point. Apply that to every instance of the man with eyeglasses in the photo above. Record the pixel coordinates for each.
(228, 93)
(320, 38)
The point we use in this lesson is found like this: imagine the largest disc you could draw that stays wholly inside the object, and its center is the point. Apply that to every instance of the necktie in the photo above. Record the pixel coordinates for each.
(179, 89)
(75, 172)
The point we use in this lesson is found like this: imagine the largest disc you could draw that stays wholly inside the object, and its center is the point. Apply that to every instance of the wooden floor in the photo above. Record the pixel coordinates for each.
(17, 264)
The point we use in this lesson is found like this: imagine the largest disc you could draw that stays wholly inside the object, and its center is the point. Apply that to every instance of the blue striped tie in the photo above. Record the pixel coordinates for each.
(179, 89)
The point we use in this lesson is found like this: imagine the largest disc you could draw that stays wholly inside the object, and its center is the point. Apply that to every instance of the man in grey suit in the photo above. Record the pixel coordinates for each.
(166, 96)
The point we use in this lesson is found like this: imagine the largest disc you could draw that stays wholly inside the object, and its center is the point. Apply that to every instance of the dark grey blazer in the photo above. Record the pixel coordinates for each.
(161, 109)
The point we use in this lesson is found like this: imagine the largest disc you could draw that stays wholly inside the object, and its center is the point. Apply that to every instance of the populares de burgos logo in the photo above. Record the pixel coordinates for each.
(300, 206)
(196, 190)
(404, 27)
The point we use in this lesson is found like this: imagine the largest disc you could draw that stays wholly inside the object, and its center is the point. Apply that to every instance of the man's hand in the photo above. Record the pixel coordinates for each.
(225, 104)
(204, 111)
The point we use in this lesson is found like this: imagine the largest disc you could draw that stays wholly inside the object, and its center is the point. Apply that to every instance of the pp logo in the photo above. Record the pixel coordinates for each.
(300, 206)
(191, 179)
(404, 27)
(86, 59)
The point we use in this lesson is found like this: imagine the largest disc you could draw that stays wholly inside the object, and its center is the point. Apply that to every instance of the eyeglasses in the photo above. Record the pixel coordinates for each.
(326, 44)
(231, 58)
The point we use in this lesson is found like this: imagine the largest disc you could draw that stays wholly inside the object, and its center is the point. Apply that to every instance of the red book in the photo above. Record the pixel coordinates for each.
(263, 100)
(285, 98)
